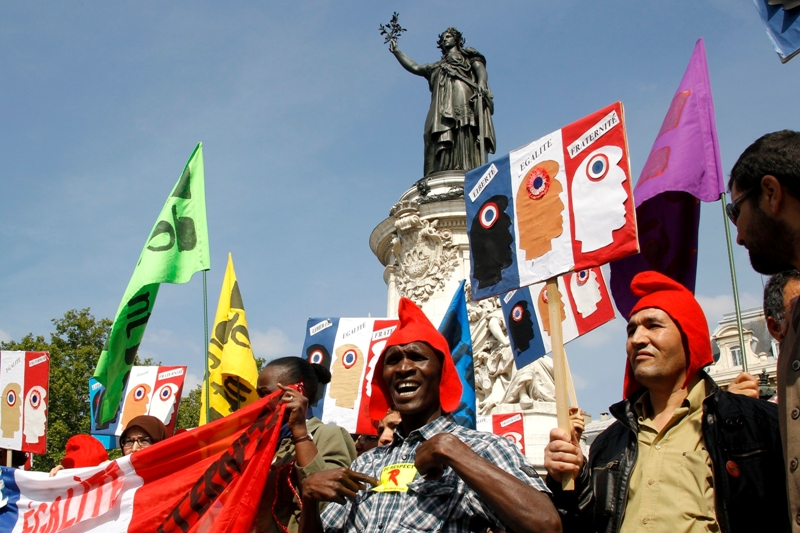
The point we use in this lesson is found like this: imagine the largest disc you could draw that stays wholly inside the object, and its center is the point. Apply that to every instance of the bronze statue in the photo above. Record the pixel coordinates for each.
(458, 128)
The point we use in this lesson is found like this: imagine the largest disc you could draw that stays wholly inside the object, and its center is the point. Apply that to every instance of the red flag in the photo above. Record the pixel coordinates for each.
(209, 479)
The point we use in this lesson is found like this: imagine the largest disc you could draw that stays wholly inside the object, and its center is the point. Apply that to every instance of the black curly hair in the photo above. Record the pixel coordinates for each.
(310, 374)
(776, 154)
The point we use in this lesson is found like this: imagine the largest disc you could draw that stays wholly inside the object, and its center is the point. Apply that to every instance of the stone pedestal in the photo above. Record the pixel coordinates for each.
(423, 245)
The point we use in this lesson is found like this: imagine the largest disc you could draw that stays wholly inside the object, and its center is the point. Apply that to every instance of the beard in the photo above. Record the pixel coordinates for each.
(773, 246)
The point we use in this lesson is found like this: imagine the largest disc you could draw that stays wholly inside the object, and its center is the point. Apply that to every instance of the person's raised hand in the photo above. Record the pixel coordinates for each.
(55, 470)
(577, 422)
(393, 46)
(336, 485)
(297, 407)
(562, 455)
(745, 384)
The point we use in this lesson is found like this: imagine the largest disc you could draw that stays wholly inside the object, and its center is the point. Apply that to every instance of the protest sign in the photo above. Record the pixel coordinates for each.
(151, 390)
(562, 203)
(585, 304)
(349, 348)
(24, 380)
(510, 426)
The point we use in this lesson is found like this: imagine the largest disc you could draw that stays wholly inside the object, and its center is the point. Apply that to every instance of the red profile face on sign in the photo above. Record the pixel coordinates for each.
(136, 403)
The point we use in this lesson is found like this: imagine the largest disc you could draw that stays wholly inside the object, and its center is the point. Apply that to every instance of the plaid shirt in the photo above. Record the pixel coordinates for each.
(446, 504)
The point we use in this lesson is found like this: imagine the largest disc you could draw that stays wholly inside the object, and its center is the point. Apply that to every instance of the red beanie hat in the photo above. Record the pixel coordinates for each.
(83, 451)
(415, 327)
(658, 291)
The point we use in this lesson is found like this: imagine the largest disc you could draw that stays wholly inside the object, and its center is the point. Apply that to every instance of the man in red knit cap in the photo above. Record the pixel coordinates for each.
(435, 474)
(682, 455)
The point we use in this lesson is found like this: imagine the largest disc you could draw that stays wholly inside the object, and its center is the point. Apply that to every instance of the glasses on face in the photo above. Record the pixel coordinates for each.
(732, 208)
(366, 439)
(143, 442)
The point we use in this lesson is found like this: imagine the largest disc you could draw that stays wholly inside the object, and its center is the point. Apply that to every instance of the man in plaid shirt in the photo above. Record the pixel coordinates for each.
(435, 475)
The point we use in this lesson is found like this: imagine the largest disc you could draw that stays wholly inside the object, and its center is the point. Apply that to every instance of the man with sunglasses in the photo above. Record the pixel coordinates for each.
(765, 207)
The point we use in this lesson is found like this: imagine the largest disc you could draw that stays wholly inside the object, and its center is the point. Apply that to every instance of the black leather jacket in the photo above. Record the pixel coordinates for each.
(738, 429)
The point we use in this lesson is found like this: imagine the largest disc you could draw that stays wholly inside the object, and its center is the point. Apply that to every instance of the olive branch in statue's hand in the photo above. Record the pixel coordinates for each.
(392, 31)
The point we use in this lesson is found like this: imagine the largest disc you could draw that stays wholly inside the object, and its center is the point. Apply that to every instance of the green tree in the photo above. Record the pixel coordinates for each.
(74, 348)
(189, 409)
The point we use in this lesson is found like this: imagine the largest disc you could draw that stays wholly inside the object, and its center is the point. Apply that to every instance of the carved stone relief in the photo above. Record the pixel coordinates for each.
(424, 256)
(497, 381)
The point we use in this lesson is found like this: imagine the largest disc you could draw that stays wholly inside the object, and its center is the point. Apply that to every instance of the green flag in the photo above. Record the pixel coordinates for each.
(176, 249)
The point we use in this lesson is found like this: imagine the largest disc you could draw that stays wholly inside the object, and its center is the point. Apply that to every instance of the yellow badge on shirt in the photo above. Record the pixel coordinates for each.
(396, 477)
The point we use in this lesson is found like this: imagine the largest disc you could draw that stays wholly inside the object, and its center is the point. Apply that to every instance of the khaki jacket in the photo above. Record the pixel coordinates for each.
(789, 413)
(336, 449)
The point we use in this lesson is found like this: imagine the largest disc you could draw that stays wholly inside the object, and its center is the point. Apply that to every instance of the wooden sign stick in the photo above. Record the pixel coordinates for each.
(559, 366)
(8, 457)
(573, 398)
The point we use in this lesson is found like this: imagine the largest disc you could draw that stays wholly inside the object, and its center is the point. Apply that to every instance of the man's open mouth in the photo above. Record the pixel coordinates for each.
(406, 388)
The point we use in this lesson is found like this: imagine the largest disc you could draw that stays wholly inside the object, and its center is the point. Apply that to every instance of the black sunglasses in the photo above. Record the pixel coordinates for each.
(732, 208)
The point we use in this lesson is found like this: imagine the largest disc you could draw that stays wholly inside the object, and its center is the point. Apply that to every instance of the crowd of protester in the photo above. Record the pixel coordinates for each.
(683, 455)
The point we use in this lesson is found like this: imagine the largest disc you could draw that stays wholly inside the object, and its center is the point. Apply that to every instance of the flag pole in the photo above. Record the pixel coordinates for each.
(205, 346)
(724, 200)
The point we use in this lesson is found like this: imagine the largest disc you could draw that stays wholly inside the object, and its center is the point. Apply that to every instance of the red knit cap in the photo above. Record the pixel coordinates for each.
(415, 327)
(658, 291)
(82, 451)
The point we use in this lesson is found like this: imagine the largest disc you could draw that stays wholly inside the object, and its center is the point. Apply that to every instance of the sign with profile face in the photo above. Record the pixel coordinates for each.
(349, 348)
(585, 305)
(560, 204)
(24, 382)
(151, 390)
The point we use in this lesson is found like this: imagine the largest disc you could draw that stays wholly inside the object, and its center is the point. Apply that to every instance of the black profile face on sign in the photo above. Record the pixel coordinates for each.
(317, 354)
(520, 326)
(491, 241)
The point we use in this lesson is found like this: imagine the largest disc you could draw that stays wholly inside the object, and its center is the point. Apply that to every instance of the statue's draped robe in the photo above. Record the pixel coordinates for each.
(451, 128)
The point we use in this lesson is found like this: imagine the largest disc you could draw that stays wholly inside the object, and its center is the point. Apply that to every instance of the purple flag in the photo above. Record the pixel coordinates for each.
(683, 167)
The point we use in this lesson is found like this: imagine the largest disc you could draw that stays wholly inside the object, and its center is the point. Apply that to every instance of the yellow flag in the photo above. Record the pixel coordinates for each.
(232, 366)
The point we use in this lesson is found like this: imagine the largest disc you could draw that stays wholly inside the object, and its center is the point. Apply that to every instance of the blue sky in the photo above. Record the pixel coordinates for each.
(311, 132)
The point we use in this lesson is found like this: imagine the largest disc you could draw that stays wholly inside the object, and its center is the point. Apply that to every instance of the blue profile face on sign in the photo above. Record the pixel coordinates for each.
(520, 326)
(320, 336)
(491, 229)
(491, 241)
(523, 328)
(317, 354)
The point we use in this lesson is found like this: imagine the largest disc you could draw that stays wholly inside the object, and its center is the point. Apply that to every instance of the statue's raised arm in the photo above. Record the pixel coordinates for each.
(407, 63)
(459, 121)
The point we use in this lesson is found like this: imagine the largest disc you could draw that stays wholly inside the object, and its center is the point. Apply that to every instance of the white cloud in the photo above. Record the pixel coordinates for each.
(610, 335)
(272, 344)
(579, 382)
(715, 306)
(191, 382)
(4, 336)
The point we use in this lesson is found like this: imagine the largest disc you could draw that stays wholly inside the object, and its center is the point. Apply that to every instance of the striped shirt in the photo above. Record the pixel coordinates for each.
(446, 504)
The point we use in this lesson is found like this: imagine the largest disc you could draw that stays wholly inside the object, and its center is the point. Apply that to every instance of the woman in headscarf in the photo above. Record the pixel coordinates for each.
(141, 432)
(306, 445)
